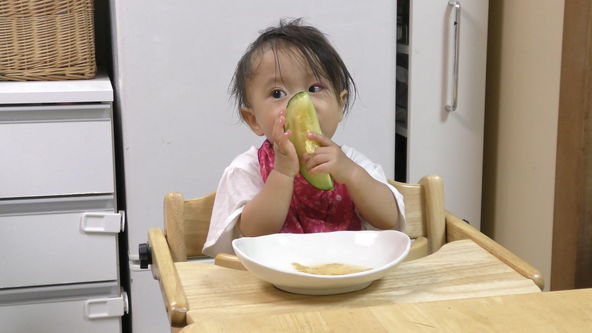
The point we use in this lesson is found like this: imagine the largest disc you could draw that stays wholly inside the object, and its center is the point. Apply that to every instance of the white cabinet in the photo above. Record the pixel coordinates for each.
(59, 224)
(432, 139)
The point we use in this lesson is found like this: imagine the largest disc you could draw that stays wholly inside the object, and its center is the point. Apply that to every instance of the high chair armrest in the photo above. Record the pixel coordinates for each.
(228, 261)
(163, 269)
(419, 249)
(457, 229)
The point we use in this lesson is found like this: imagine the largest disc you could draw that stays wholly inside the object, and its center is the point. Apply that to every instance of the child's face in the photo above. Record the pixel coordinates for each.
(275, 81)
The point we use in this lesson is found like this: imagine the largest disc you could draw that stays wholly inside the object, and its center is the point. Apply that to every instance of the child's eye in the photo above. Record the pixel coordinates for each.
(277, 93)
(315, 88)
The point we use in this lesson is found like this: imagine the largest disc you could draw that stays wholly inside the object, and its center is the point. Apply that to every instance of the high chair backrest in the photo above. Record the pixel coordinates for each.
(424, 210)
(187, 221)
(186, 224)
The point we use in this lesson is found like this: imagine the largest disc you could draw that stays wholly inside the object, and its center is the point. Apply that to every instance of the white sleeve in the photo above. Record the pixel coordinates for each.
(376, 172)
(237, 186)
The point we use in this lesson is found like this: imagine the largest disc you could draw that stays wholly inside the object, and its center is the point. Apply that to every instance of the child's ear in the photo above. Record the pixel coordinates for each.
(342, 100)
(249, 116)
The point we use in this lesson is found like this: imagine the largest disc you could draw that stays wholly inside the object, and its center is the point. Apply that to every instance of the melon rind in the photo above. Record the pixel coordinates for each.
(301, 118)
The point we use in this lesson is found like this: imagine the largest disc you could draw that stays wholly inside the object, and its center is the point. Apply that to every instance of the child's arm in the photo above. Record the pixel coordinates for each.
(373, 199)
(267, 211)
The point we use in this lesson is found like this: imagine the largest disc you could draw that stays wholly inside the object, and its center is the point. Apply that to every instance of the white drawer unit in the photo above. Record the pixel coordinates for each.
(56, 150)
(59, 240)
(59, 223)
(88, 308)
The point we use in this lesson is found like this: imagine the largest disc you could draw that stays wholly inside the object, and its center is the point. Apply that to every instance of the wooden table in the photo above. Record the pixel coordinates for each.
(460, 269)
(558, 311)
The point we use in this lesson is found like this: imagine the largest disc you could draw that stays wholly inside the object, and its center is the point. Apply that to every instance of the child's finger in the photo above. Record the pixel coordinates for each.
(284, 143)
(278, 128)
(320, 139)
(314, 161)
(319, 168)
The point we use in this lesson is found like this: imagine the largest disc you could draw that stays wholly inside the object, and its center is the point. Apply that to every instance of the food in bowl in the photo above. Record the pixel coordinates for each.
(329, 269)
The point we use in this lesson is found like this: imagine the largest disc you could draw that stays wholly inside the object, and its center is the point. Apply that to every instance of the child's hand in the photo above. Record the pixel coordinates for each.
(329, 158)
(286, 159)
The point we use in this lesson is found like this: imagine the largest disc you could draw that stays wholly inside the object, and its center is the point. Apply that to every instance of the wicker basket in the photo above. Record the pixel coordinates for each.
(46, 40)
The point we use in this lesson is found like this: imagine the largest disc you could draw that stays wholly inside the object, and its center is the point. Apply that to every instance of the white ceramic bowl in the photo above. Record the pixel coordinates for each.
(270, 258)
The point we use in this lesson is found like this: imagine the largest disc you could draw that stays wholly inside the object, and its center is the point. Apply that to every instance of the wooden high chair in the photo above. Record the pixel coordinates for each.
(429, 225)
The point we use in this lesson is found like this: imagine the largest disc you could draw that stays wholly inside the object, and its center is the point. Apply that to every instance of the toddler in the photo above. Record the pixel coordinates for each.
(261, 192)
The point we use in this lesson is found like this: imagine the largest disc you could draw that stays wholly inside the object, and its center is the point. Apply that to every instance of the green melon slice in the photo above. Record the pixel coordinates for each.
(301, 117)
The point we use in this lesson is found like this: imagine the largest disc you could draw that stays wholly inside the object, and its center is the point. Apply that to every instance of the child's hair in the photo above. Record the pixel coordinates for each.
(314, 47)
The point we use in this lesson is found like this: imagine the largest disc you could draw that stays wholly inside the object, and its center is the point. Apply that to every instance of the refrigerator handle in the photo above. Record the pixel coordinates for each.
(456, 6)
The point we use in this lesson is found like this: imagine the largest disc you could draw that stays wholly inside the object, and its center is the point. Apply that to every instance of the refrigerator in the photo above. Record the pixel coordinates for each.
(177, 126)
